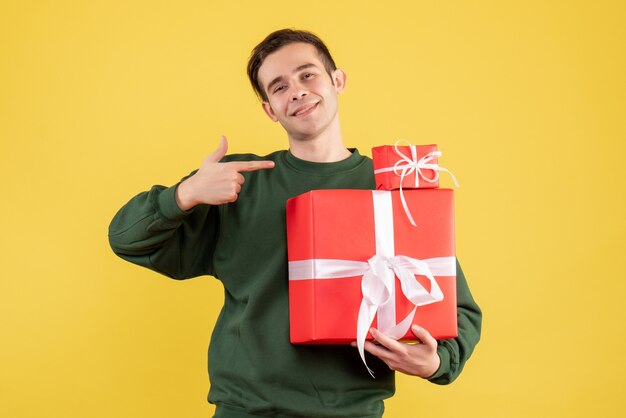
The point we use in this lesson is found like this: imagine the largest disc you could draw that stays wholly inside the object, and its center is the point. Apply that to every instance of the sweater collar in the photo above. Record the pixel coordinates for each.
(323, 169)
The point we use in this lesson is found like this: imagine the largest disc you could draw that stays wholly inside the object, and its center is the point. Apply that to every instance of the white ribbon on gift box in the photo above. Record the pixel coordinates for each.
(405, 166)
(378, 283)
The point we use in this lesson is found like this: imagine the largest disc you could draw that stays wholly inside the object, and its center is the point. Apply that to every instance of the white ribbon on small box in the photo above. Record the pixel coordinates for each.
(379, 272)
(407, 165)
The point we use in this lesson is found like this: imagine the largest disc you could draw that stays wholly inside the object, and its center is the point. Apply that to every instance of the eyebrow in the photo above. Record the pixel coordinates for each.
(281, 78)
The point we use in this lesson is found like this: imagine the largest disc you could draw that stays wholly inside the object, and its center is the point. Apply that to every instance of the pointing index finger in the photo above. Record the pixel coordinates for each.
(251, 165)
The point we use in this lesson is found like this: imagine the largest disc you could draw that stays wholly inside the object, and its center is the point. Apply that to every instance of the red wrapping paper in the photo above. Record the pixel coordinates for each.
(386, 157)
(339, 224)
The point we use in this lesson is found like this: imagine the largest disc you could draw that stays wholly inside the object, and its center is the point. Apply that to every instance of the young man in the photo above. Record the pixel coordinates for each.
(227, 219)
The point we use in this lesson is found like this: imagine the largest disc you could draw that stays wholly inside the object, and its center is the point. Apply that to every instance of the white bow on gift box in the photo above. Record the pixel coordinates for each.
(379, 272)
(406, 165)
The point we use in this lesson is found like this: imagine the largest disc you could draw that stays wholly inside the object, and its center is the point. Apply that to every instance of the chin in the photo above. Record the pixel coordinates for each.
(303, 135)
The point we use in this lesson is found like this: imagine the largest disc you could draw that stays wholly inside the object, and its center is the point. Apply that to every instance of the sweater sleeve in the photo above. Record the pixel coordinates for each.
(153, 232)
(454, 352)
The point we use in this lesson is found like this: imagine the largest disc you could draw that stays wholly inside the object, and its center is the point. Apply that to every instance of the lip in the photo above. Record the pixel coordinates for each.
(304, 109)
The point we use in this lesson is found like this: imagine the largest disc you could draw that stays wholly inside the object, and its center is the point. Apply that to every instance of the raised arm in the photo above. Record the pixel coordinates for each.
(173, 230)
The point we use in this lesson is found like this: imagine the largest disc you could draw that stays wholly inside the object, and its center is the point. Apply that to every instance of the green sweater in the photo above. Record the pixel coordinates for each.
(253, 368)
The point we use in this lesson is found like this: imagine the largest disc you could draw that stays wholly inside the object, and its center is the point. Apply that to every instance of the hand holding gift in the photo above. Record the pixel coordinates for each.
(413, 359)
(358, 259)
(365, 265)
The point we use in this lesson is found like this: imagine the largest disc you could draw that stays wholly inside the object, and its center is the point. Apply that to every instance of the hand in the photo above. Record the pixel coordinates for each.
(216, 183)
(413, 359)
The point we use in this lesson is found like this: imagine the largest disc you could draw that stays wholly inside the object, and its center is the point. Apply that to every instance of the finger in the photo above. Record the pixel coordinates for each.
(240, 179)
(379, 351)
(424, 336)
(221, 150)
(232, 198)
(385, 340)
(242, 166)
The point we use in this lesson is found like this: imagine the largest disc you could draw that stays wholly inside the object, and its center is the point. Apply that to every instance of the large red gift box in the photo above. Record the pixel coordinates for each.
(412, 166)
(336, 238)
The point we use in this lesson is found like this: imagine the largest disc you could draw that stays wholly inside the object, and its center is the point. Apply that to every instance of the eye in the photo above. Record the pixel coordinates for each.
(279, 88)
(308, 75)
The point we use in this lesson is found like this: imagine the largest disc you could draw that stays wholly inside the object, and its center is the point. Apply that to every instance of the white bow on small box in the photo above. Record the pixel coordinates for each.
(407, 165)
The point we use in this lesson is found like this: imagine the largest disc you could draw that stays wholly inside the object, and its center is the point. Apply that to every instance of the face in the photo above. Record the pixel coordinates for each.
(301, 95)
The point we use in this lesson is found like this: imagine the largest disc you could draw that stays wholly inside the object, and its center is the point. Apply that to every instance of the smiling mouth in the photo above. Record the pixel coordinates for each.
(306, 110)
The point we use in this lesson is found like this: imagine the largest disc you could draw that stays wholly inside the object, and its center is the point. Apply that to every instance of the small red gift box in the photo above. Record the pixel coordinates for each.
(412, 166)
(355, 261)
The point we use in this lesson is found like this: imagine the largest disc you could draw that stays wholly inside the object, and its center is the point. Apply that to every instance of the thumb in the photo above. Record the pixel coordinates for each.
(423, 335)
(221, 150)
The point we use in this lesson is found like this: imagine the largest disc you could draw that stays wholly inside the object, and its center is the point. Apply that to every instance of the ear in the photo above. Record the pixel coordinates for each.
(339, 79)
(267, 108)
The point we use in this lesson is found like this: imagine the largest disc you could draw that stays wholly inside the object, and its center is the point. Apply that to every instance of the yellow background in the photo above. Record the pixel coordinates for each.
(100, 100)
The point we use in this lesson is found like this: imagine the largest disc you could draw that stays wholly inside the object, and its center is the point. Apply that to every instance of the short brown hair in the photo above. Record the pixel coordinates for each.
(276, 40)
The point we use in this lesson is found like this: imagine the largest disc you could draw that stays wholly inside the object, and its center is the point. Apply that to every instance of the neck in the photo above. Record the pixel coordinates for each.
(326, 147)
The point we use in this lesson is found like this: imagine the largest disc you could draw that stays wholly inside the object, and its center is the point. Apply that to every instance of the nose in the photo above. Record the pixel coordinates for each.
(298, 92)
